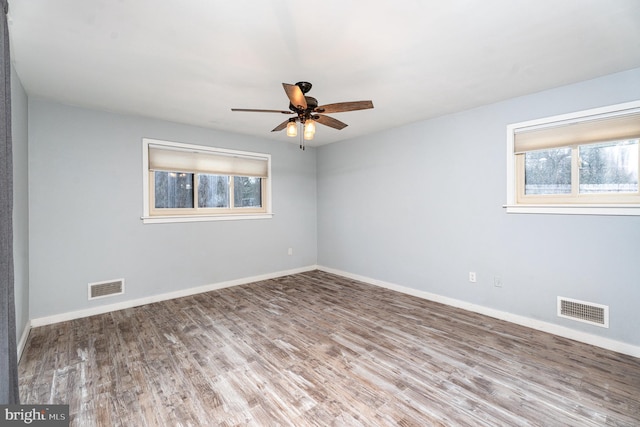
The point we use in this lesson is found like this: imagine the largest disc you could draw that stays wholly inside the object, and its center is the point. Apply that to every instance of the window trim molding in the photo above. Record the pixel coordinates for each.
(147, 218)
(512, 205)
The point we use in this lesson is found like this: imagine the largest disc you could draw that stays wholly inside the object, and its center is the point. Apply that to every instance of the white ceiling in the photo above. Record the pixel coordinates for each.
(190, 61)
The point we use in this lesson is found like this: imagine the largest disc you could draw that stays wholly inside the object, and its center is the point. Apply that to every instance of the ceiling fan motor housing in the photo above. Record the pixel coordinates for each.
(312, 104)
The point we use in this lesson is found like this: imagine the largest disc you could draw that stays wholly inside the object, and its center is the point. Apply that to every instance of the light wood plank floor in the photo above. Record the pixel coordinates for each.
(316, 349)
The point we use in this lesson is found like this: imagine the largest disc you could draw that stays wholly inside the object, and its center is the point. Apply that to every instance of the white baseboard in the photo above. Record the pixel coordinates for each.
(63, 317)
(551, 328)
(23, 339)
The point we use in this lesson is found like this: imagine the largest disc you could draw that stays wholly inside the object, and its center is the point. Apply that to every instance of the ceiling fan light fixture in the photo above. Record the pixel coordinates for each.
(310, 127)
(307, 111)
(292, 128)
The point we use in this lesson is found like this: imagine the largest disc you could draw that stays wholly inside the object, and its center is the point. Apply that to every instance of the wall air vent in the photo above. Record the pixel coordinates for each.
(582, 311)
(106, 289)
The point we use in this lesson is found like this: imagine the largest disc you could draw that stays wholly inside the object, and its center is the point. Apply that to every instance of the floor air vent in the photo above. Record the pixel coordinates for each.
(106, 289)
(582, 311)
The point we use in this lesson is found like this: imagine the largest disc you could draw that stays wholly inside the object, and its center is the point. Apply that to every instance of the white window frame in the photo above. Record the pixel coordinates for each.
(149, 217)
(513, 206)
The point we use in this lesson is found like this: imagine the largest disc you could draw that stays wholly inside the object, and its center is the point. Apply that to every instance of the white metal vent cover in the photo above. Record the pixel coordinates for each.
(582, 311)
(106, 289)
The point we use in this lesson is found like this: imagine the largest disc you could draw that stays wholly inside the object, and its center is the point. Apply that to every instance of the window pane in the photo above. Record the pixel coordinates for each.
(173, 190)
(247, 192)
(548, 171)
(213, 191)
(609, 167)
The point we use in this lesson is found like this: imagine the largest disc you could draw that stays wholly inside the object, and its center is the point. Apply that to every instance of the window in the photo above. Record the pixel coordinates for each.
(185, 182)
(585, 163)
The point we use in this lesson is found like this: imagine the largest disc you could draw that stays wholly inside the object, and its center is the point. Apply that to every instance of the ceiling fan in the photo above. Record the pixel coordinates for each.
(308, 112)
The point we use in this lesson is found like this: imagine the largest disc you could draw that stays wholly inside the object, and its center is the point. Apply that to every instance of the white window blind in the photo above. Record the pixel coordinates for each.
(603, 129)
(162, 158)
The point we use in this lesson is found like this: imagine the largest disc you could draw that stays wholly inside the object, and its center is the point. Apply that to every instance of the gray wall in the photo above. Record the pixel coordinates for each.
(421, 206)
(19, 130)
(85, 173)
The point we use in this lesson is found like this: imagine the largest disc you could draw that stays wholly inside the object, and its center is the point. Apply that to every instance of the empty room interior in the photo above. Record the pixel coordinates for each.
(337, 213)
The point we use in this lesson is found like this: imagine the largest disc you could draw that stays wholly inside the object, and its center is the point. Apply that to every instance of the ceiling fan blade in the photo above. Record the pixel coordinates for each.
(331, 122)
(254, 110)
(341, 107)
(280, 126)
(295, 96)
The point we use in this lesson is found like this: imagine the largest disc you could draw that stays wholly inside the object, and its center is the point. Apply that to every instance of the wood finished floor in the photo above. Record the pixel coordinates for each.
(315, 349)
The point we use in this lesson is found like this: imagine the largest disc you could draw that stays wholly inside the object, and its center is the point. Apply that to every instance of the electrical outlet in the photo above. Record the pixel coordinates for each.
(472, 277)
(290, 251)
(497, 281)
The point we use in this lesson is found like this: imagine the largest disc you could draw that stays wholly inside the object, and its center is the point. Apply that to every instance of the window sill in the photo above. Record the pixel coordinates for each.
(160, 219)
(621, 210)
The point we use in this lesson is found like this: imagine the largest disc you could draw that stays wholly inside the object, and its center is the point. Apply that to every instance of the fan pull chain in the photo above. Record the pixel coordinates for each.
(301, 137)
